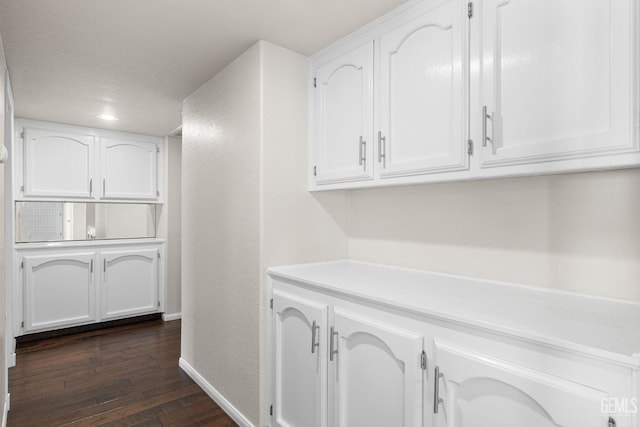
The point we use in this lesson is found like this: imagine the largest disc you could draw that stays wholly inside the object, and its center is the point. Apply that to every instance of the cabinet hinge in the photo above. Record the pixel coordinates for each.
(423, 360)
(157, 149)
(158, 303)
(470, 10)
(22, 135)
(158, 193)
(22, 188)
(271, 304)
(315, 171)
(271, 410)
(22, 324)
(22, 264)
(158, 254)
(314, 82)
(470, 147)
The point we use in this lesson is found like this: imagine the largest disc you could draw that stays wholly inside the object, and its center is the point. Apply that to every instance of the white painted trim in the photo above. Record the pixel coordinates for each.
(12, 360)
(7, 407)
(215, 395)
(168, 317)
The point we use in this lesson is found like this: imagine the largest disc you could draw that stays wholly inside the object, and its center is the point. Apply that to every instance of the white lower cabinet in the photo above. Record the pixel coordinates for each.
(356, 345)
(300, 362)
(376, 373)
(478, 390)
(65, 288)
(59, 290)
(129, 283)
(335, 367)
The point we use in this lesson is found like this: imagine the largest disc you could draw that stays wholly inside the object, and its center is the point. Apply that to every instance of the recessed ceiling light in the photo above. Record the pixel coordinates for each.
(107, 117)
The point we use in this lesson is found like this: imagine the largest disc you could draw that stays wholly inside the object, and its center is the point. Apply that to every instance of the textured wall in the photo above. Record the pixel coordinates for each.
(575, 232)
(220, 232)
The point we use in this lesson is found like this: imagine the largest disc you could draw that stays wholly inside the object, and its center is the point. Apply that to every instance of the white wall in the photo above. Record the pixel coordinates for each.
(576, 232)
(245, 208)
(3, 335)
(220, 232)
(174, 226)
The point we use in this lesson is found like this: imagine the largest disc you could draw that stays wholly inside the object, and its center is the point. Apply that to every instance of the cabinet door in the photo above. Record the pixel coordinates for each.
(300, 359)
(58, 164)
(59, 291)
(344, 118)
(129, 169)
(479, 390)
(130, 283)
(375, 375)
(423, 91)
(557, 80)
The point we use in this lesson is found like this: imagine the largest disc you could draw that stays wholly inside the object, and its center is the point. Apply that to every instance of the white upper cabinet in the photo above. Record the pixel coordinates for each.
(423, 70)
(344, 117)
(58, 164)
(558, 80)
(62, 162)
(129, 169)
(467, 90)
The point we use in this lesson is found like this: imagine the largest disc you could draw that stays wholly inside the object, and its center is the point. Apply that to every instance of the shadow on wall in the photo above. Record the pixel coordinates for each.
(575, 231)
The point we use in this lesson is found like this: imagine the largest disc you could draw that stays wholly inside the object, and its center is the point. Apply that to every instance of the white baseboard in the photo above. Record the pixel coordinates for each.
(167, 317)
(5, 412)
(215, 395)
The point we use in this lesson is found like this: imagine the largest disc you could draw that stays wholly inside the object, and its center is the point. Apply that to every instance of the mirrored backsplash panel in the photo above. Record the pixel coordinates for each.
(60, 221)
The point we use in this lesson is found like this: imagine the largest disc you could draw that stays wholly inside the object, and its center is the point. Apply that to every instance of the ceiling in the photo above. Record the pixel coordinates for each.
(71, 60)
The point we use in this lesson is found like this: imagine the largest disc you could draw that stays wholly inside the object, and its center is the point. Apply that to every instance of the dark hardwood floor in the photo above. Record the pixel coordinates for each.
(121, 376)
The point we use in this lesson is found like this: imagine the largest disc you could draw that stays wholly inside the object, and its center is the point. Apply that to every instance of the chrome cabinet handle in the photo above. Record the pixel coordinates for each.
(485, 116)
(90, 186)
(92, 265)
(382, 149)
(104, 186)
(332, 349)
(363, 152)
(436, 390)
(314, 344)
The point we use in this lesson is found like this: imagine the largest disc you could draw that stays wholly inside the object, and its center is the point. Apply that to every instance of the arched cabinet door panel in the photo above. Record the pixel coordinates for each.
(478, 390)
(129, 283)
(129, 169)
(557, 80)
(59, 290)
(376, 377)
(58, 164)
(300, 361)
(423, 89)
(344, 118)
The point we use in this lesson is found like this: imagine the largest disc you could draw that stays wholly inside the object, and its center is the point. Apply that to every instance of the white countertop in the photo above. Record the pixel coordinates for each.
(65, 244)
(602, 327)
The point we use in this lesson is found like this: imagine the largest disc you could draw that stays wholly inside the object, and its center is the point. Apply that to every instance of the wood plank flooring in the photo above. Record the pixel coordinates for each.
(121, 376)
